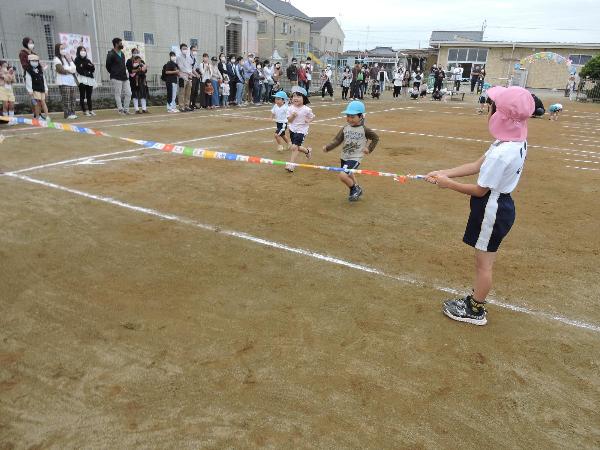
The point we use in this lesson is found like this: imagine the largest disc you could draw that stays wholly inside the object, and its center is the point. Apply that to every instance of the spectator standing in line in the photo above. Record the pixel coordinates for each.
(184, 62)
(240, 81)
(309, 72)
(115, 65)
(66, 80)
(292, 72)
(196, 75)
(249, 68)
(28, 46)
(230, 69)
(216, 79)
(85, 76)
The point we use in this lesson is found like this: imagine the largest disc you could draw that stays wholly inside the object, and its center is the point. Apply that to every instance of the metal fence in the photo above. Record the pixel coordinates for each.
(588, 90)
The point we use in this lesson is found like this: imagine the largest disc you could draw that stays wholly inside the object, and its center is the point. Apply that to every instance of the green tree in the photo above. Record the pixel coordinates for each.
(591, 69)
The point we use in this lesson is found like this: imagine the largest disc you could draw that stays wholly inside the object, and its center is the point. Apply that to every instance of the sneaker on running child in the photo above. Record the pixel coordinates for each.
(466, 310)
(355, 193)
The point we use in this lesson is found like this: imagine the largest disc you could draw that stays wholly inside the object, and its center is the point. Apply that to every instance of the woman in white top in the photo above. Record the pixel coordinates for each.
(65, 78)
(398, 78)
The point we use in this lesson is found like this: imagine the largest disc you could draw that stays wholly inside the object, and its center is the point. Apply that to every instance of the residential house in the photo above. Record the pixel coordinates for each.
(283, 30)
(326, 39)
(241, 25)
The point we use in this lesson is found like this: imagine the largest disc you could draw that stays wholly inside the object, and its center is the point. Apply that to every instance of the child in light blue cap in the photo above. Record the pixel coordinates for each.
(279, 113)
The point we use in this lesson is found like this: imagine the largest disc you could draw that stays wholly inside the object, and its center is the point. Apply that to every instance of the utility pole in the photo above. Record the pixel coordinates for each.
(483, 26)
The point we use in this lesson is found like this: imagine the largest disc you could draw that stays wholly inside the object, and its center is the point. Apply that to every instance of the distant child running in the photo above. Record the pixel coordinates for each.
(492, 208)
(299, 118)
(555, 110)
(279, 112)
(357, 141)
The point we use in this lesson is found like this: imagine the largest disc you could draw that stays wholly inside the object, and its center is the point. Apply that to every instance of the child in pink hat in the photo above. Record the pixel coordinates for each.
(492, 208)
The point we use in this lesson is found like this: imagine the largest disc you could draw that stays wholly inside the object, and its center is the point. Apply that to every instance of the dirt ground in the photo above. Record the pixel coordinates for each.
(163, 301)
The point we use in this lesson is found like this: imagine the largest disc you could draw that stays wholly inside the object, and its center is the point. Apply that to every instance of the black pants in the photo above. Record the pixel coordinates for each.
(170, 92)
(473, 83)
(195, 88)
(345, 92)
(437, 85)
(85, 92)
(232, 91)
(327, 86)
(307, 83)
(457, 85)
(397, 91)
(207, 100)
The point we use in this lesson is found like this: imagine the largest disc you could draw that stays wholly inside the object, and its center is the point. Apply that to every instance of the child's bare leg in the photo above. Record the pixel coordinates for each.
(348, 179)
(36, 109)
(278, 139)
(484, 263)
(304, 150)
(294, 153)
(286, 139)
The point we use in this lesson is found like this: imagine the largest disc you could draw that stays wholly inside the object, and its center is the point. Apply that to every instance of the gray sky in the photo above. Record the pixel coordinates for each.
(405, 24)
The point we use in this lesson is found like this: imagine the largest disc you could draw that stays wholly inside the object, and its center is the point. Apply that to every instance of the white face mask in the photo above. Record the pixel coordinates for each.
(173, 58)
(34, 63)
(30, 46)
(83, 54)
(63, 52)
(303, 66)
(195, 54)
(232, 61)
(185, 52)
(135, 64)
(223, 59)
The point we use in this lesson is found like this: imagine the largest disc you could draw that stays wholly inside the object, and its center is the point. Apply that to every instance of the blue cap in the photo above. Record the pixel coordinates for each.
(354, 108)
(281, 94)
(300, 90)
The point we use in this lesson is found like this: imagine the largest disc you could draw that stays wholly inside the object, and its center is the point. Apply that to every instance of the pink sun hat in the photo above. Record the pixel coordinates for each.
(514, 106)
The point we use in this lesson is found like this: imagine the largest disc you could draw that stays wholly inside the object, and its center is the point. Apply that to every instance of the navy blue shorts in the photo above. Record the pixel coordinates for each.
(297, 138)
(349, 164)
(490, 220)
(281, 127)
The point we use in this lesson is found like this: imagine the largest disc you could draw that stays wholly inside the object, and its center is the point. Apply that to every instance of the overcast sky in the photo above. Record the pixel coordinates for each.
(405, 24)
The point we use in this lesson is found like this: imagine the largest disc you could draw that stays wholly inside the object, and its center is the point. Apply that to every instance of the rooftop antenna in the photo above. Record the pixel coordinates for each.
(483, 26)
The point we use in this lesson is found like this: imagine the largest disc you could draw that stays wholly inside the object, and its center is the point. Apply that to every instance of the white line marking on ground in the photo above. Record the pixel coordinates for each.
(299, 251)
(582, 168)
(582, 161)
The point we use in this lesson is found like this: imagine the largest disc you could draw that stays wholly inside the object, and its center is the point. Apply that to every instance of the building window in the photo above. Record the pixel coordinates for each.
(128, 35)
(149, 38)
(233, 39)
(194, 42)
(262, 26)
(467, 55)
(580, 60)
(301, 48)
(285, 28)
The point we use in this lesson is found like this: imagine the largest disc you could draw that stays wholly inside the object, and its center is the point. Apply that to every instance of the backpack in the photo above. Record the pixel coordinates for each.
(163, 75)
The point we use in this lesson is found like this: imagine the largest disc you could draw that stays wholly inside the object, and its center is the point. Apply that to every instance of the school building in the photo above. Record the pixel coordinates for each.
(215, 26)
(499, 59)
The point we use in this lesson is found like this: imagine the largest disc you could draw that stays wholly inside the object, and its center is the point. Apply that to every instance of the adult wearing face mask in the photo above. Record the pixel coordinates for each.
(216, 79)
(65, 78)
(27, 50)
(184, 62)
(249, 68)
(85, 76)
(115, 65)
(230, 70)
(204, 75)
(268, 85)
(196, 75)
(222, 64)
(308, 70)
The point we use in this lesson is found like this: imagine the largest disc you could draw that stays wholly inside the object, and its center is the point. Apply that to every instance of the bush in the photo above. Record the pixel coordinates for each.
(591, 69)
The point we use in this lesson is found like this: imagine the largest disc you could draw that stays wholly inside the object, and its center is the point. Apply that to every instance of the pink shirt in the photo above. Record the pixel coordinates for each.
(303, 114)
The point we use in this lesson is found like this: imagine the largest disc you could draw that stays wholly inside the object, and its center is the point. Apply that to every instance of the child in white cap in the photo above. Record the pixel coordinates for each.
(492, 208)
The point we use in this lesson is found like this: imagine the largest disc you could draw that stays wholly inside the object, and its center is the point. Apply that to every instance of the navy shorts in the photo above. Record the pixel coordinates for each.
(349, 164)
(297, 138)
(281, 127)
(490, 220)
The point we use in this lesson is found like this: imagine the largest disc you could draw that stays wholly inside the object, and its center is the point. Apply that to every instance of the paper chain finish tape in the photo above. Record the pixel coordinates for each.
(207, 154)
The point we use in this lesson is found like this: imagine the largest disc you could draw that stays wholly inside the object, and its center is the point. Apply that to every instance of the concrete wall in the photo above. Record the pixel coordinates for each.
(274, 38)
(249, 22)
(321, 40)
(541, 75)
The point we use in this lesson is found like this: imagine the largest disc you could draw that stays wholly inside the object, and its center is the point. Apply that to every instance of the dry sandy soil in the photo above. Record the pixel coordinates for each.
(163, 301)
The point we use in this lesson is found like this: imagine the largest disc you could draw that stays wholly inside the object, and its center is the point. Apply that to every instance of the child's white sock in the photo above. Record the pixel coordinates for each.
(144, 104)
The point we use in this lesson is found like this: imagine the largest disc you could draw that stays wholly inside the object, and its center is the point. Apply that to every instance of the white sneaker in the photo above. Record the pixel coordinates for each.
(92, 113)
(87, 113)
(72, 117)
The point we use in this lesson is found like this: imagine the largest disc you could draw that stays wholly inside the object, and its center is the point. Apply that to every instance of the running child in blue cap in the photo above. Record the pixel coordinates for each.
(279, 113)
(358, 141)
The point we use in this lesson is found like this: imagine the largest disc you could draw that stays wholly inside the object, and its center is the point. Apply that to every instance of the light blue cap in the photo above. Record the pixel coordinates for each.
(281, 94)
(300, 90)
(354, 108)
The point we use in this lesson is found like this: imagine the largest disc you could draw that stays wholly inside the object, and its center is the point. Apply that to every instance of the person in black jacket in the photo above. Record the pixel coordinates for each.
(539, 107)
(233, 81)
(115, 65)
(292, 72)
(85, 77)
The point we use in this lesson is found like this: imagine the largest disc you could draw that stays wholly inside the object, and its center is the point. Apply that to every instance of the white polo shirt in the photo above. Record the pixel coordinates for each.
(502, 166)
